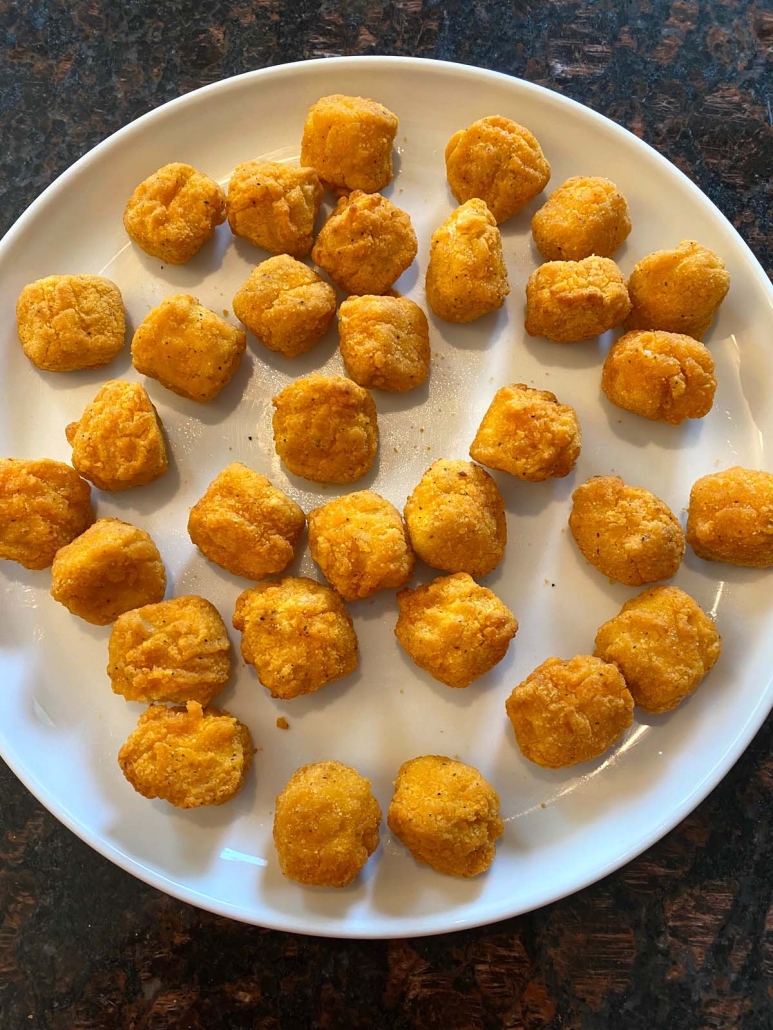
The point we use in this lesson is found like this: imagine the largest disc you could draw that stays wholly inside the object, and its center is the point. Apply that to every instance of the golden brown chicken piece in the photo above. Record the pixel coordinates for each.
(586, 215)
(567, 301)
(384, 342)
(274, 206)
(730, 518)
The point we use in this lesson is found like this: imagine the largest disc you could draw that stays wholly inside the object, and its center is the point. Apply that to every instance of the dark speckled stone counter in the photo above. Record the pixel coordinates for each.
(682, 937)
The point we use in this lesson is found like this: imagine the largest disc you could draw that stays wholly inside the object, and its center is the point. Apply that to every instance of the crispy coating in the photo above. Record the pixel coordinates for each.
(663, 644)
(586, 215)
(626, 532)
(187, 756)
(173, 213)
(730, 518)
(245, 525)
(678, 291)
(527, 433)
(498, 161)
(360, 543)
(44, 504)
(325, 429)
(274, 206)
(466, 274)
(118, 441)
(108, 570)
(190, 350)
(366, 243)
(285, 305)
(348, 140)
(446, 814)
(71, 322)
(567, 712)
(454, 629)
(297, 633)
(567, 301)
(326, 825)
(456, 518)
(384, 342)
(662, 376)
(176, 651)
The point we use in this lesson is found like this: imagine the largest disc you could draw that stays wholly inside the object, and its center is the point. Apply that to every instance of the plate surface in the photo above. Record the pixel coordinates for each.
(62, 726)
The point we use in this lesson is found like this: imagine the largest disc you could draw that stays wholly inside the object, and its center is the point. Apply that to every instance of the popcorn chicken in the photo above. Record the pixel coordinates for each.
(567, 301)
(384, 342)
(274, 206)
(730, 518)
(586, 215)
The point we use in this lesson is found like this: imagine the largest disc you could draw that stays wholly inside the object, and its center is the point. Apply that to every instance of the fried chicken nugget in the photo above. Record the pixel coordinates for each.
(586, 215)
(274, 206)
(666, 377)
(678, 291)
(446, 814)
(498, 161)
(325, 429)
(118, 441)
(456, 518)
(348, 141)
(454, 629)
(466, 274)
(663, 643)
(246, 525)
(176, 651)
(44, 504)
(297, 633)
(527, 433)
(326, 825)
(190, 350)
(173, 213)
(366, 243)
(188, 756)
(361, 544)
(626, 532)
(106, 571)
(384, 342)
(566, 712)
(71, 322)
(567, 301)
(285, 305)
(730, 518)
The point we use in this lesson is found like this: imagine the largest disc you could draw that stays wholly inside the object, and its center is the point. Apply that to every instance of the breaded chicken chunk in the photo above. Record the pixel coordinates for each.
(567, 301)
(466, 274)
(325, 429)
(456, 518)
(173, 213)
(285, 305)
(361, 544)
(626, 532)
(663, 643)
(366, 244)
(297, 633)
(662, 376)
(246, 525)
(176, 651)
(274, 206)
(326, 825)
(348, 141)
(567, 712)
(586, 215)
(454, 629)
(678, 291)
(384, 342)
(108, 570)
(71, 322)
(730, 518)
(446, 814)
(44, 504)
(498, 161)
(527, 433)
(190, 350)
(118, 441)
(188, 756)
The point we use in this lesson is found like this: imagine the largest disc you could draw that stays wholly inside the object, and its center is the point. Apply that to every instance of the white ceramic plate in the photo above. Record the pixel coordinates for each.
(62, 726)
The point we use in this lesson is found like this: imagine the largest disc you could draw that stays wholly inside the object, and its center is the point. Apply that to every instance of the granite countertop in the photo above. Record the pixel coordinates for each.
(683, 936)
